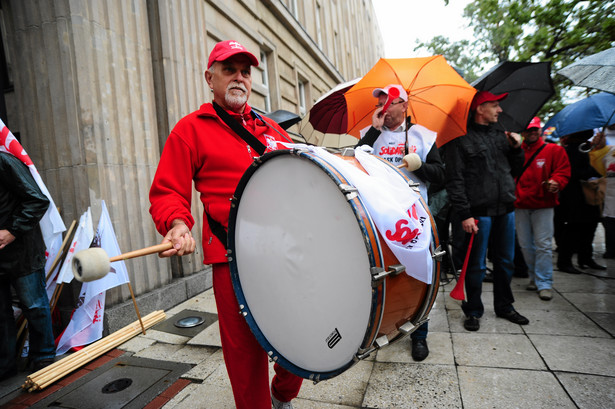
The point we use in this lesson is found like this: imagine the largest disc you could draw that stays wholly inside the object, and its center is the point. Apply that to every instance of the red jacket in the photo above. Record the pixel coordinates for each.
(203, 148)
(551, 163)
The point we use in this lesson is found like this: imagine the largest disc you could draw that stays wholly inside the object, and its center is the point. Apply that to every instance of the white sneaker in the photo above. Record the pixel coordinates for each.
(280, 405)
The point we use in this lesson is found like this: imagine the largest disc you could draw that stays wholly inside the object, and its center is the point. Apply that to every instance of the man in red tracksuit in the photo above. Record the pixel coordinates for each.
(546, 172)
(203, 148)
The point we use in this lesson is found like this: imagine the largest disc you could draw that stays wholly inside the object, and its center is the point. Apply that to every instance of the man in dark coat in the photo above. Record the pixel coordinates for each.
(479, 181)
(22, 266)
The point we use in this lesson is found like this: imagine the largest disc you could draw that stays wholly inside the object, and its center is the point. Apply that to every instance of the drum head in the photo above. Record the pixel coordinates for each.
(300, 266)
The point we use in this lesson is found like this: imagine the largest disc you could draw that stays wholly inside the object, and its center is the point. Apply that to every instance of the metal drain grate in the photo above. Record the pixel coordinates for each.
(195, 322)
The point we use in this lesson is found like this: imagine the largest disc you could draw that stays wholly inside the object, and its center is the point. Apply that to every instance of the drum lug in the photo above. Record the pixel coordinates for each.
(348, 152)
(381, 342)
(438, 254)
(350, 192)
(409, 327)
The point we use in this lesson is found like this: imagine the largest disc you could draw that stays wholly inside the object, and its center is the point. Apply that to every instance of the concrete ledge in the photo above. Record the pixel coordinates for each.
(163, 298)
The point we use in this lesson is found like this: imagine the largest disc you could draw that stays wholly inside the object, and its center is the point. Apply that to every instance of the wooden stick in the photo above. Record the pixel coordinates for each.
(56, 261)
(56, 296)
(143, 252)
(61, 368)
(88, 354)
(134, 302)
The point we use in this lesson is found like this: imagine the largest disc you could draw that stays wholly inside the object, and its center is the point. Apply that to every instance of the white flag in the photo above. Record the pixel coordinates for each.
(105, 239)
(86, 324)
(392, 204)
(51, 224)
(52, 282)
(81, 241)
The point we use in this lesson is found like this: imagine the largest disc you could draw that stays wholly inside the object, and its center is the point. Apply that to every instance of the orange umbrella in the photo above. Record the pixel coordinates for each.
(438, 98)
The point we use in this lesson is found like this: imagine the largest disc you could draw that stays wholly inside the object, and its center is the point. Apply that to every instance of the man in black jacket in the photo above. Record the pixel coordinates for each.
(480, 167)
(22, 266)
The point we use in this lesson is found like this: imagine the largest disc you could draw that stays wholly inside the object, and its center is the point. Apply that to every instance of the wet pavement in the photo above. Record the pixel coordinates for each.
(565, 357)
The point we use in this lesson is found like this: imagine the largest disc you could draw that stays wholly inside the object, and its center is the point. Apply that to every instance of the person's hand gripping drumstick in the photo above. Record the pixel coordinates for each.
(378, 117)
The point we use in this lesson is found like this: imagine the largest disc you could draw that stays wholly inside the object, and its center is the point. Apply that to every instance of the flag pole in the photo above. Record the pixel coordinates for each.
(58, 258)
(134, 301)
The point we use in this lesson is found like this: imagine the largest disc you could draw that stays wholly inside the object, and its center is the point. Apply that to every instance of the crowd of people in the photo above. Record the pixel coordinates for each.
(499, 185)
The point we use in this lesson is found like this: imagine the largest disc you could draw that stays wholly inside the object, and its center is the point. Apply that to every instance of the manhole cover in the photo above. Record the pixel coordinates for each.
(189, 322)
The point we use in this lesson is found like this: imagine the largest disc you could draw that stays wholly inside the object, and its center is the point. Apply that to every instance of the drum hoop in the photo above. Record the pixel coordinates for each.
(356, 204)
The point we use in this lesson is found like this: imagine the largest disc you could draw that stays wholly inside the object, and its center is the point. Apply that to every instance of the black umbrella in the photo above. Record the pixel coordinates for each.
(528, 85)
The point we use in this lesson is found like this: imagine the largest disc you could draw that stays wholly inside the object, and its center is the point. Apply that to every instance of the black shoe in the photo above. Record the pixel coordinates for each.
(514, 316)
(419, 349)
(592, 264)
(43, 363)
(8, 374)
(488, 278)
(569, 269)
(471, 323)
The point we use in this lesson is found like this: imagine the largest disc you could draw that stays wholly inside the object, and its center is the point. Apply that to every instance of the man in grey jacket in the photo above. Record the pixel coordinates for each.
(480, 167)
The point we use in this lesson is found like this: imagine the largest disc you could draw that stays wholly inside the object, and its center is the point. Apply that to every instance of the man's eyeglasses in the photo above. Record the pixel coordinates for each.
(392, 103)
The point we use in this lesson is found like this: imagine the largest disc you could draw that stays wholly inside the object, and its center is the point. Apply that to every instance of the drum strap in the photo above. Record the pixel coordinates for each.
(217, 229)
(529, 162)
(250, 139)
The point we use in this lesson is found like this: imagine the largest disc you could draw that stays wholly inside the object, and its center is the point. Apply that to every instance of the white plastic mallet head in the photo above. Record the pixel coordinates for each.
(91, 264)
(94, 263)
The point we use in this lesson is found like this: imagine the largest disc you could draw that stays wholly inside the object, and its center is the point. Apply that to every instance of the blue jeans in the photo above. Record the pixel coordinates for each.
(34, 303)
(535, 236)
(502, 230)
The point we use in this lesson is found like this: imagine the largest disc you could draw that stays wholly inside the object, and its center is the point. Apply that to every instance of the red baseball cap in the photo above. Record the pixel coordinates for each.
(227, 49)
(534, 123)
(486, 96)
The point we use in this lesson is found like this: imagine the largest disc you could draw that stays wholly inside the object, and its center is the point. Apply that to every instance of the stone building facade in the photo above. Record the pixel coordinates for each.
(93, 87)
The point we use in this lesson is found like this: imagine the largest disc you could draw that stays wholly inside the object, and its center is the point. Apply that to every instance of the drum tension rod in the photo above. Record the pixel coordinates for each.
(438, 254)
(379, 273)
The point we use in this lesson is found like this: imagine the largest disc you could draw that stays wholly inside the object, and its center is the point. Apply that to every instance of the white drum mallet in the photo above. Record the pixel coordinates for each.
(412, 161)
(94, 263)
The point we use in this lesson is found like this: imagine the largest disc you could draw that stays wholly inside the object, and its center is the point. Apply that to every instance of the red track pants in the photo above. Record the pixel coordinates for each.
(246, 362)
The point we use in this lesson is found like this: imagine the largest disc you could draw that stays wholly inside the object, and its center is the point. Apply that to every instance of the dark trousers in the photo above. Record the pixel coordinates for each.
(33, 300)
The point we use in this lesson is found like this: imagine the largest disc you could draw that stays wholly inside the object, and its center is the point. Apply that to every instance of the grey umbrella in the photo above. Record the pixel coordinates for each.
(594, 71)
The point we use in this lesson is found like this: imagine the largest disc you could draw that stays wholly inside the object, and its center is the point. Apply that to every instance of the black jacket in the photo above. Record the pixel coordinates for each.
(22, 205)
(480, 171)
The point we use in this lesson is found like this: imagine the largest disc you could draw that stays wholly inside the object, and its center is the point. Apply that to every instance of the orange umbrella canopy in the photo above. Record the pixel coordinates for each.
(438, 97)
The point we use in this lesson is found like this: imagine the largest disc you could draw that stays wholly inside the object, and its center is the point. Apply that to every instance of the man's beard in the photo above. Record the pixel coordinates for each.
(236, 101)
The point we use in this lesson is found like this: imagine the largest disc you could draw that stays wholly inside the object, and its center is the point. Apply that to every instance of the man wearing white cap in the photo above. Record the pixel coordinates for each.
(206, 147)
(546, 171)
(392, 138)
